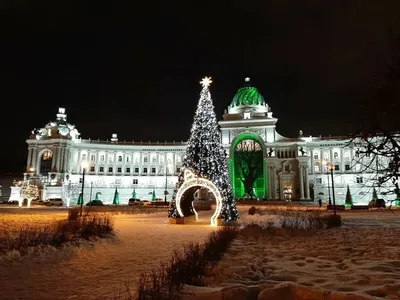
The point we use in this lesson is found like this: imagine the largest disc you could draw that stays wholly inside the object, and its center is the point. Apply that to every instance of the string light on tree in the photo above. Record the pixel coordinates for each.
(205, 156)
(28, 192)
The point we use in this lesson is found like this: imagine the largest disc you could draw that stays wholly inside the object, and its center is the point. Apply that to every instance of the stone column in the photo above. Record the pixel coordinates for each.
(301, 168)
(342, 170)
(322, 160)
(58, 164)
(173, 164)
(270, 187)
(62, 158)
(331, 156)
(158, 164)
(275, 182)
(29, 160)
(34, 159)
(115, 163)
(78, 169)
(123, 163)
(141, 163)
(106, 164)
(307, 183)
(165, 163)
(312, 160)
(68, 160)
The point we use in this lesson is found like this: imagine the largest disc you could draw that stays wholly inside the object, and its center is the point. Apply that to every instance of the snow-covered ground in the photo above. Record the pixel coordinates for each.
(362, 257)
(99, 270)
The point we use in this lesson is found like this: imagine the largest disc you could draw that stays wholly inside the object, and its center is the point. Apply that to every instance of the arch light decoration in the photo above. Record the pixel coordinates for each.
(190, 180)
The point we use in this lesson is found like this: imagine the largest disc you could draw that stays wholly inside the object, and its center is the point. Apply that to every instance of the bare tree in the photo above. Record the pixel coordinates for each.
(248, 159)
(377, 141)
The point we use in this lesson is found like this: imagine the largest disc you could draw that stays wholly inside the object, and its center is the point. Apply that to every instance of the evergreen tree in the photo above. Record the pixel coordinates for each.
(374, 194)
(205, 156)
(349, 199)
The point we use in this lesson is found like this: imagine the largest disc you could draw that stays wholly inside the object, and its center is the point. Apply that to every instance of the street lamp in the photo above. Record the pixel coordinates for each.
(329, 190)
(165, 191)
(84, 165)
(331, 167)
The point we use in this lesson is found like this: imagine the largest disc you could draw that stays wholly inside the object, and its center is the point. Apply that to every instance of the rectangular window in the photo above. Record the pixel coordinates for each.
(101, 157)
(136, 170)
(134, 181)
(101, 170)
(145, 170)
(315, 156)
(127, 159)
(360, 180)
(347, 167)
(119, 170)
(153, 170)
(318, 180)
(145, 159)
(110, 169)
(178, 170)
(128, 170)
(120, 158)
(316, 168)
(337, 168)
(91, 169)
(80, 180)
(117, 181)
(92, 157)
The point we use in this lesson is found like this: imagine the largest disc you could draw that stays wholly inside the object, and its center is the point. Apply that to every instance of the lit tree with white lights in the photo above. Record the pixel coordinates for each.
(205, 156)
(28, 192)
(70, 191)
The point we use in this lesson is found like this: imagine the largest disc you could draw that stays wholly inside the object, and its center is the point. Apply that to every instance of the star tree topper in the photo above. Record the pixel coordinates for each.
(206, 81)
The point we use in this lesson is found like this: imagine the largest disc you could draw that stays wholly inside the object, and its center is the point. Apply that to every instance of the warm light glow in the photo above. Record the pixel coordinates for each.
(191, 181)
(206, 81)
(31, 169)
(85, 165)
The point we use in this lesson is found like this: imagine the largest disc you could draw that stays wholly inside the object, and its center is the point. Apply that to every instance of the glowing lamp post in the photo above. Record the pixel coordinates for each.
(331, 167)
(84, 165)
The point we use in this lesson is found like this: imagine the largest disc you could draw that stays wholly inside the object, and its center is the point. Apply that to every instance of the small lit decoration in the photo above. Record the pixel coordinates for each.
(190, 181)
(28, 192)
(70, 191)
(205, 160)
(206, 81)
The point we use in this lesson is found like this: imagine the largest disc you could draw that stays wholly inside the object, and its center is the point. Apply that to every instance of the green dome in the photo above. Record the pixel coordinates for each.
(247, 95)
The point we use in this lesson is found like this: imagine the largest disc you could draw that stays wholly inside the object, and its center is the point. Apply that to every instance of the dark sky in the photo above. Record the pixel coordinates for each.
(134, 68)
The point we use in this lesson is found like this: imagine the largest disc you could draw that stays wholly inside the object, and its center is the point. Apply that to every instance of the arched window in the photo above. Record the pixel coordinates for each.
(45, 162)
(83, 157)
(335, 155)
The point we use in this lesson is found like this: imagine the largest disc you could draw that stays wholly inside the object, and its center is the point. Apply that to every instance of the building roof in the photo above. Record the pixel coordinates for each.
(247, 95)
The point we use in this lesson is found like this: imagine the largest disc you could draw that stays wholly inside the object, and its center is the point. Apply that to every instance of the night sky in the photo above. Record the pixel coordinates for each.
(134, 68)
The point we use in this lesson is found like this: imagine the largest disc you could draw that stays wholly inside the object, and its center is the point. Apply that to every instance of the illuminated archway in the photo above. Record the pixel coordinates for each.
(190, 180)
(260, 185)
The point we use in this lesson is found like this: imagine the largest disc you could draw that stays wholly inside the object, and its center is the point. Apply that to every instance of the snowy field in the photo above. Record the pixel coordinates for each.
(98, 270)
(362, 257)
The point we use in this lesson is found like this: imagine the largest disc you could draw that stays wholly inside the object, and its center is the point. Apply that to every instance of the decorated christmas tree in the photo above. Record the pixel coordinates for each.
(205, 156)
(349, 199)
(116, 197)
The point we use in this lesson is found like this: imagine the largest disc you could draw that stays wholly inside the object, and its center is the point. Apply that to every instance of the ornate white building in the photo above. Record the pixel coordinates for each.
(293, 168)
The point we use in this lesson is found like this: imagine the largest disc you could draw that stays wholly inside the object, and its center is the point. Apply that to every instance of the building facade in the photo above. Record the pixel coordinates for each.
(292, 168)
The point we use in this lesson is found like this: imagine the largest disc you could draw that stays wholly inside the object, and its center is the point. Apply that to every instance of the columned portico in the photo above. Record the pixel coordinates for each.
(303, 178)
